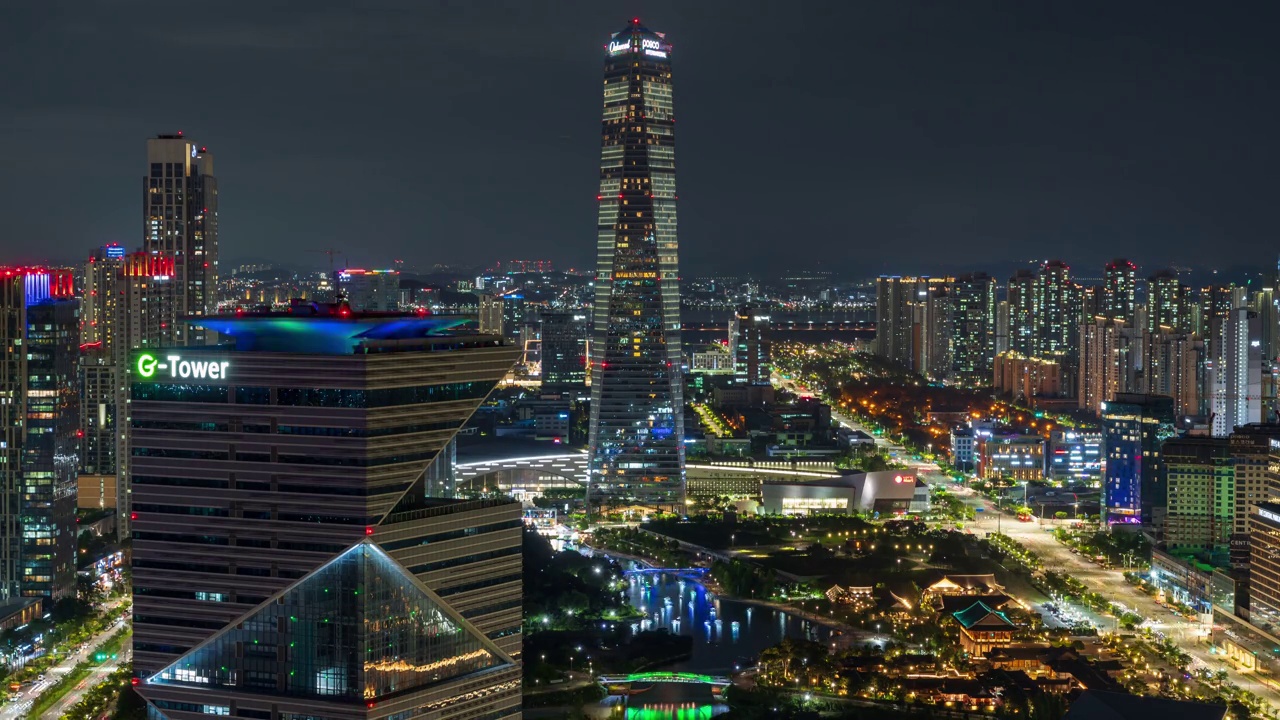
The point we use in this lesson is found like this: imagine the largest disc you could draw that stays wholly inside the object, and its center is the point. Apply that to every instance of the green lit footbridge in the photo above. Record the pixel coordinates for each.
(665, 677)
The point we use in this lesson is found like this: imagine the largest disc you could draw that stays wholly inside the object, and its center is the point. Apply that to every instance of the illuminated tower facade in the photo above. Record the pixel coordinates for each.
(637, 404)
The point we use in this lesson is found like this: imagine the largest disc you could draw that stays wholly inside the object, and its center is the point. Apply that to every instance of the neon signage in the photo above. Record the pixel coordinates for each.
(618, 46)
(653, 48)
(148, 365)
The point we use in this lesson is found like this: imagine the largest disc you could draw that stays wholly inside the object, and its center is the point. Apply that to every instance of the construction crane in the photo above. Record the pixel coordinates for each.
(331, 253)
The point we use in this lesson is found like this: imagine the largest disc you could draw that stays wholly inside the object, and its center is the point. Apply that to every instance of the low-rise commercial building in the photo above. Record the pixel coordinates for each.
(1017, 457)
(884, 492)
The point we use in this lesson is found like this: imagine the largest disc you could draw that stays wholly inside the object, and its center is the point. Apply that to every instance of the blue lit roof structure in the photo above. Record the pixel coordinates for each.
(324, 334)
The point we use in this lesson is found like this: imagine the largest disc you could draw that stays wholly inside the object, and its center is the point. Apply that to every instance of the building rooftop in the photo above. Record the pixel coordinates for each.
(327, 329)
(980, 614)
(1099, 705)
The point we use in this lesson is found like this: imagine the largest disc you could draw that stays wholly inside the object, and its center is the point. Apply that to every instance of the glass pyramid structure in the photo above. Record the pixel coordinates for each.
(359, 627)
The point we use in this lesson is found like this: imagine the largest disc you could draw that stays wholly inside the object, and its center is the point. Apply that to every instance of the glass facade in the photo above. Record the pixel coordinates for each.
(358, 628)
(637, 406)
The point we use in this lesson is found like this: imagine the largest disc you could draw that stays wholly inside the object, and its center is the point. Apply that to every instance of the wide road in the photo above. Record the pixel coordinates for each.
(14, 709)
(96, 677)
(1038, 537)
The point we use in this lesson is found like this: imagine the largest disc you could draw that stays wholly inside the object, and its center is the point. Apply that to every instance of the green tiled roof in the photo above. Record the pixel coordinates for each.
(978, 612)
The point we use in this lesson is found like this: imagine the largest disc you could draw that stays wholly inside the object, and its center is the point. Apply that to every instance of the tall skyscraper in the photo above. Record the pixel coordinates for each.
(1233, 374)
(1119, 284)
(38, 378)
(973, 328)
(637, 395)
(180, 218)
(292, 558)
(564, 352)
(1133, 429)
(752, 350)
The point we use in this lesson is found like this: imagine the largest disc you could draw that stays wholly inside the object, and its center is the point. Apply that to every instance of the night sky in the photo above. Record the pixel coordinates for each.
(853, 136)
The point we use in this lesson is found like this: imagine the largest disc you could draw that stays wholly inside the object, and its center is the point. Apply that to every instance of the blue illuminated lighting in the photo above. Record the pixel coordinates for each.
(37, 287)
(324, 335)
(114, 250)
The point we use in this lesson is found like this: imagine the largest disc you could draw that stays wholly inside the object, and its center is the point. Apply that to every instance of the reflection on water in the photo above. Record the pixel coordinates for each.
(688, 711)
(727, 636)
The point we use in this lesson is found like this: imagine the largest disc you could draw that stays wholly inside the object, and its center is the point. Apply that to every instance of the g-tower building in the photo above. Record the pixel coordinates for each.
(292, 560)
(637, 404)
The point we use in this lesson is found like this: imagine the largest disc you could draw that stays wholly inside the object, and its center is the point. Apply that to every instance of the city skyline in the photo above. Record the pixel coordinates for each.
(943, 145)
(966, 385)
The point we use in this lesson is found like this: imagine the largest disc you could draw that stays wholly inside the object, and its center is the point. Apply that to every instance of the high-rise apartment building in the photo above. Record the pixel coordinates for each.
(1174, 367)
(99, 314)
(1169, 303)
(1056, 321)
(1255, 451)
(752, 354)
(973, 328)
(492, 317)
(1264, 566)
(1233, 374)
(97, 304)
(1110, 362)
(1263, 302)
(370, 290)
(1199, 473)
(1133, 429)
(1119, 289)
(147, 304)
(1023, 310)
(933, 332)
(914, 323)
(1024, 378)
(564, 352)
(895, 317)
(180, 218)
(41, 416)
(636, 443)
(292, 557)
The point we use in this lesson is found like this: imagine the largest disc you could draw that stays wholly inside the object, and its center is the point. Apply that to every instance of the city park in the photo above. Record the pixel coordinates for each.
(876, 584)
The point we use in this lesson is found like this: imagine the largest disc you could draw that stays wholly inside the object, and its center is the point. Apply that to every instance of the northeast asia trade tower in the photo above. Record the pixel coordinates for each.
(637, 405)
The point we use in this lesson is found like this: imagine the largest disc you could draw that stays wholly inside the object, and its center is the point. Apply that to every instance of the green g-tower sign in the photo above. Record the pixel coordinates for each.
(149, 366)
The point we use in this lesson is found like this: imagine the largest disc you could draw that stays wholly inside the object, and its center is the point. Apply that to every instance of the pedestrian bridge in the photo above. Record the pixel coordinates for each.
(659, 571)
(665, 677)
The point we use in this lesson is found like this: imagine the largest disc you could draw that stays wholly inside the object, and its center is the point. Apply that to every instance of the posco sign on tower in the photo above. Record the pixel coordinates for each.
(174, 366)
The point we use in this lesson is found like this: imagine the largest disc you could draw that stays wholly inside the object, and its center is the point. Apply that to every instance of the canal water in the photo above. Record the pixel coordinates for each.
(727, 636)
